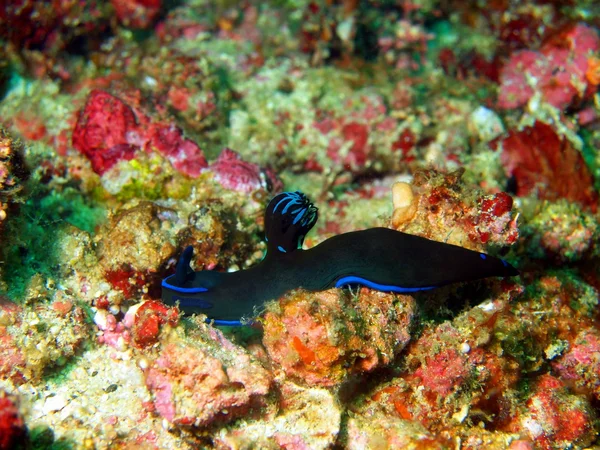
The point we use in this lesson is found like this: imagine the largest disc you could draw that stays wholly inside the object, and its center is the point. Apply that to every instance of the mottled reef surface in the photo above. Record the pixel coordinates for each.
(130, 129)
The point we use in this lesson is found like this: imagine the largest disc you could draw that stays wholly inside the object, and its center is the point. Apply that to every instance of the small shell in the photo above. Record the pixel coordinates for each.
(405, 204)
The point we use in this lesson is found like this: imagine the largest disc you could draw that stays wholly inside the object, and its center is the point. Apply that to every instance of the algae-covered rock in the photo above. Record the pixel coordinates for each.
(323, 338)
(199, 378)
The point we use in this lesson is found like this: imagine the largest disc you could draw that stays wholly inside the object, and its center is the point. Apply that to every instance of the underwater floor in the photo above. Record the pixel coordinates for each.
(130, 130)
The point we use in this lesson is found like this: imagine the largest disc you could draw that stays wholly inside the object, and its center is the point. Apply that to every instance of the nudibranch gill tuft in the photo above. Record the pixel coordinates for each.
(379, 258)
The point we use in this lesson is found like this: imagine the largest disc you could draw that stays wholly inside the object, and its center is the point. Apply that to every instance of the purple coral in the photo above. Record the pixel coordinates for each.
(236, 174)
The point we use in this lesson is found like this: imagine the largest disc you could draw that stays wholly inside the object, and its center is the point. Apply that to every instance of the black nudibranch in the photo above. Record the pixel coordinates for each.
(379, 258)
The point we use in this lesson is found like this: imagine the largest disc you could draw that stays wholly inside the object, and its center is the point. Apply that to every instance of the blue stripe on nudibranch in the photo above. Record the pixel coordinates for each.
(194, 290)
(286, 207)
(225, 323)
(299, 216)
(380, 287)
(292, 198)
(281, 249)
(286, 198)
(482, 255)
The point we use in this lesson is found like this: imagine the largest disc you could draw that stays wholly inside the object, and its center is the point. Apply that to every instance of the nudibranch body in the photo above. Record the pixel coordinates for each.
(379, 258)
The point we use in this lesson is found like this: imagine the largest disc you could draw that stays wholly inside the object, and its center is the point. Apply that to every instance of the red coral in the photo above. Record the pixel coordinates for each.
(493, 217)
(109, 130)
(352, 132)
(405, 143)
(50, 25)
(102, 129)
(358, 134)
(521, 31)
(150, 316)
(137, 13)
(546, 164)
(126, 280)
(497, 205)
(12, 426)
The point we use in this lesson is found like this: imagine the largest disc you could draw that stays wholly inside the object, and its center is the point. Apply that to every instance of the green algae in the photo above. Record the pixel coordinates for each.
(73, 207)
(42, 438)
(584, 298)
(561, 229)
(518, 342)
(591, 154)
(58, 374)
(461, 39)
(31, 246)
(146, 177)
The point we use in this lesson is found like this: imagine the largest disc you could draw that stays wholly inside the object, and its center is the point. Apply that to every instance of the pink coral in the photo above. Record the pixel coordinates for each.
(12, 360)
(234, 173)
(443, 372)
(447, 376)
(581, 364)
(558, 70)
(200, 383)
(358, 138)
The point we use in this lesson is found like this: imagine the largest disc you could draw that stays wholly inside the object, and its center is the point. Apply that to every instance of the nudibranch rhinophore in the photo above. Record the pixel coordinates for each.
(379, 258)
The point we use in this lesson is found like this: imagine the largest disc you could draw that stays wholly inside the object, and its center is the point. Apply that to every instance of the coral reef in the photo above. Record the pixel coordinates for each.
(580, 363)
(553, 418)
(132, 129)
(562, 231)
(297, 423)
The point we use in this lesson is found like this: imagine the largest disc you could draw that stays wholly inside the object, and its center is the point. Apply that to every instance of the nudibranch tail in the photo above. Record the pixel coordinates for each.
(190, 291)
(379, 258)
